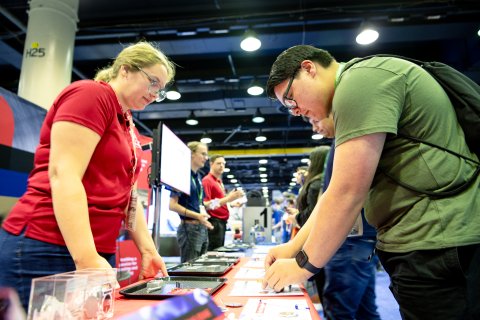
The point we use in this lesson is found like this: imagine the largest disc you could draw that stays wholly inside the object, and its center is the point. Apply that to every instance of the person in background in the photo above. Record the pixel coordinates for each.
(300, 176)
(192, 233)
(83, 184)
(287, 225)
(277, 214)
(350, 275)
(214, 193)
(430, 246)
(307, 199)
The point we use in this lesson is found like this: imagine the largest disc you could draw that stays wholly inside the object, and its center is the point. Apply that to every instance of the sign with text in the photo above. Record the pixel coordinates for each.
(128, 262)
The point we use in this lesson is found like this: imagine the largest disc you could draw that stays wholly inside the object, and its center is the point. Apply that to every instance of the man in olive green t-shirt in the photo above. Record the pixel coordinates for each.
(423, 242)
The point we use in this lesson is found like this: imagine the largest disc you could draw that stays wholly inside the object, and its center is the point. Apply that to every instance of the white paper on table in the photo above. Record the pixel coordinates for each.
(262, 249)
(268, 309)
(250, 273)
(253, 288)
(255, 264)
(234, 254)
(258, 256)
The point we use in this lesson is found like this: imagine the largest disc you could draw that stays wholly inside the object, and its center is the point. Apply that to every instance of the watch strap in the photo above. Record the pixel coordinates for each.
(310, 267)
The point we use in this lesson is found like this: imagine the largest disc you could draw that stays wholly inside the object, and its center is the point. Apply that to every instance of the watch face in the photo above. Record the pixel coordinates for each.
(301, 258)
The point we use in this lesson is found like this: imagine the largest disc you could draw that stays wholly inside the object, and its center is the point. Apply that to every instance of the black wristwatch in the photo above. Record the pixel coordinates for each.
(302, 260)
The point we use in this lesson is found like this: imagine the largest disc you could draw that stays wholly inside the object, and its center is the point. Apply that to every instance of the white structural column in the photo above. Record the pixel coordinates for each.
(48, 53)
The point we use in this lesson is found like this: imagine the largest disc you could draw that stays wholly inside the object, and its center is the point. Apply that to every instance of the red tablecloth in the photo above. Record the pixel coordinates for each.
(124, 306)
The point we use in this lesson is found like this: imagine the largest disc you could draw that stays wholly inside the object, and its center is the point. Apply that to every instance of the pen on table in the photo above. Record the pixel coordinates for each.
(297, 308)
(259, 306)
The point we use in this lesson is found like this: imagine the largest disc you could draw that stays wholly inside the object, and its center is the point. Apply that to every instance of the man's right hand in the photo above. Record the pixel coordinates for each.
(235, 194)
(203, 218)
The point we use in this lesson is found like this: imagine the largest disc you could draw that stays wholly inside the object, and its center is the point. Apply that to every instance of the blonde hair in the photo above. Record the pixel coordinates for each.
(193, 145)
(138, 55)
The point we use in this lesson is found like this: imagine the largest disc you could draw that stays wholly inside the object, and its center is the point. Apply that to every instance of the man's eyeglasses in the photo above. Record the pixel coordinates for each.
(289, 102)
(154, 87)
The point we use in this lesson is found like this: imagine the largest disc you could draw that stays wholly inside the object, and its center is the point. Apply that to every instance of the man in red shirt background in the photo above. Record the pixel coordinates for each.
(214, 191)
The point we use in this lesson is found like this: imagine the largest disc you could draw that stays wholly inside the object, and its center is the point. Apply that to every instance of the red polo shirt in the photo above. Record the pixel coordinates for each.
(213, 189)
(107, 179)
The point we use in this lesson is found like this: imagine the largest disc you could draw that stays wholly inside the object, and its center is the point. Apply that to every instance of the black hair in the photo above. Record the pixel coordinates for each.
(288, 63)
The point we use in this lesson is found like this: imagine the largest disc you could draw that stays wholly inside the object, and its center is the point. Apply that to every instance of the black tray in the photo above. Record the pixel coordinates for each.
(142, 290)
(215, 259)
(234, 247)
(211, 269)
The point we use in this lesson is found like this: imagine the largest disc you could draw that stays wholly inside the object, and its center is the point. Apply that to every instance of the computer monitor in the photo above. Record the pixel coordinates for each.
(171, 160)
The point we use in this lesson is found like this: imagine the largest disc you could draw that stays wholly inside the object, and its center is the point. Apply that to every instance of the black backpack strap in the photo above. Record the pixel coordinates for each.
(438, 147)
(436, 194)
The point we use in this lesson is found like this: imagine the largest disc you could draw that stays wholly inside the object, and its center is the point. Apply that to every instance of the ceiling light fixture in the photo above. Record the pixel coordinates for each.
(263, 161)
(257, 117)
(191, 120)
(250, 41)
(368, 35)
(260, 137)
(173, 94)
(317, 136)
(255, 89)
(205, 139)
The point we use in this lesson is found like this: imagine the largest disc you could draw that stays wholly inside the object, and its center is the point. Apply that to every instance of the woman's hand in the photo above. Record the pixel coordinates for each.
(152, 266)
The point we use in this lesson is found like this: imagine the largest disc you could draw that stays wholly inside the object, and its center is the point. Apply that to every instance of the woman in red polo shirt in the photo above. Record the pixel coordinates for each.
(83, 184)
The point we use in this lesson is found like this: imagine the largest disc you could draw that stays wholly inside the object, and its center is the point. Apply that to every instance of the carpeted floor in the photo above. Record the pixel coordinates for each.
(387, 306)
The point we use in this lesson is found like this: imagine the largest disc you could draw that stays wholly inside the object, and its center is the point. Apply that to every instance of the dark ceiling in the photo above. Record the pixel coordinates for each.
(202, 37)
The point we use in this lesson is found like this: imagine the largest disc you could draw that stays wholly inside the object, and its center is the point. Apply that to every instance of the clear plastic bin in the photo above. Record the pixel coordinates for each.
(80, 295)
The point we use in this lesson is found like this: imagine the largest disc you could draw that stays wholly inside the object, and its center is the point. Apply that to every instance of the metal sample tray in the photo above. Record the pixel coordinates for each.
(167, 287)
(200, 269)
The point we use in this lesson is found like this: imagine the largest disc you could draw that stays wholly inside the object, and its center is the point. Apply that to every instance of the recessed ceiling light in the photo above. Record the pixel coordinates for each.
(255, 91)
(260, 138)
(367, 36)
(206, 140)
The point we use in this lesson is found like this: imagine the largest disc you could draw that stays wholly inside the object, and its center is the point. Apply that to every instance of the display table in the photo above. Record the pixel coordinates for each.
(124, 306)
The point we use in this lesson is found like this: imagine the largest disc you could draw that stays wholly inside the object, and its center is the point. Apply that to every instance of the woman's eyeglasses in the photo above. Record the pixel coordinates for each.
(154, 87)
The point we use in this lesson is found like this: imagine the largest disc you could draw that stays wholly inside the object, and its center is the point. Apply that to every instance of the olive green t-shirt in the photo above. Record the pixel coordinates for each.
(391, 95)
